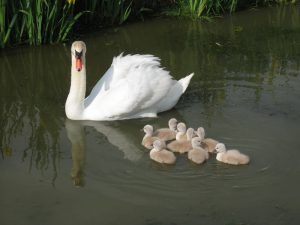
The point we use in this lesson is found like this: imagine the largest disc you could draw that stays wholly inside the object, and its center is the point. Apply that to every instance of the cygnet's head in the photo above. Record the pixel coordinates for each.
(196, 142)
(78, 51)
(201, 132)
(148, 129)
(189, 133)
(181, 127)
(173, 124)
(159, 145)
(220, 147)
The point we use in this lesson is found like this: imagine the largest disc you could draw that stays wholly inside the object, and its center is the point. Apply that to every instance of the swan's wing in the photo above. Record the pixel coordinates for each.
(122, 65)
(119, 69)
(132, 89)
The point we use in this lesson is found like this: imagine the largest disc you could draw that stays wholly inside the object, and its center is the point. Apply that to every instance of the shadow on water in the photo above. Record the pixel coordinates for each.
(244, 92)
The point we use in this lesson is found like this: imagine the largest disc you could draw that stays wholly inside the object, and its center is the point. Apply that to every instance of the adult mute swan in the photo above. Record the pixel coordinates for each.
(134, 86)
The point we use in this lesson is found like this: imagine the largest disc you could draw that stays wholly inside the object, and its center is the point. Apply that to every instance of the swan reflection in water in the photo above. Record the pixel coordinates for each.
(120, 139)
(76, 136)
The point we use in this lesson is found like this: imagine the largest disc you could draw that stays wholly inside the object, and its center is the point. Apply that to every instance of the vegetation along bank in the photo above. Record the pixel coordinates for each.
(36, 22)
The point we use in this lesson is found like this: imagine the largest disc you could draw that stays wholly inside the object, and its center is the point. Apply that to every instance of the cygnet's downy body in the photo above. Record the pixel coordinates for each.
(167, 134)
(181, 145)
(148, 139)
(197, 155)
(160, 154)
(233, 157)
(208, 144)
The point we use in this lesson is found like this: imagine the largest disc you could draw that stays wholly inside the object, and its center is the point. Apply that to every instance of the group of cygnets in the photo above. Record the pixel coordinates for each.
(177, 138)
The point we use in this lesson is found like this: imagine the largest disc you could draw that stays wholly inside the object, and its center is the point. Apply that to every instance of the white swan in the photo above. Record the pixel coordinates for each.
(233, 157)
(134, 86)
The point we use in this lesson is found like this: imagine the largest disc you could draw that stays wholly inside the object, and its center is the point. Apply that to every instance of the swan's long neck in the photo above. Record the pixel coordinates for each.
(75, 100)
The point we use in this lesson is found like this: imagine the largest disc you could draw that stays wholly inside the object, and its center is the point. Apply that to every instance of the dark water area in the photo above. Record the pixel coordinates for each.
(245, 92)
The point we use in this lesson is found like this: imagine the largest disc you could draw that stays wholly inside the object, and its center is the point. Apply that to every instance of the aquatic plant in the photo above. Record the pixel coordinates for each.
(204, 9)
(197, 7)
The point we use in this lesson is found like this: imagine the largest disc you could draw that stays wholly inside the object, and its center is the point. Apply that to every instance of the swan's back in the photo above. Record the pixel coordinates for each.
(134, 86)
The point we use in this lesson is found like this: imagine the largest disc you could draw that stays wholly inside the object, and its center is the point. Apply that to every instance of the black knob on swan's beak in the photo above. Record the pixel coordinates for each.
(78, 55)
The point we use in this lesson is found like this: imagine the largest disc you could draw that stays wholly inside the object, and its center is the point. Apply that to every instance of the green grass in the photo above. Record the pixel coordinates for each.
(36, 22)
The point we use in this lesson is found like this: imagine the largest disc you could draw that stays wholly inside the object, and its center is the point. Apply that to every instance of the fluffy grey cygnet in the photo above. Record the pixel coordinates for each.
(148, 139)
(233, 156)
(160, 154)
(167, 134)
(208, 144)
(197, 155)
(182, 145)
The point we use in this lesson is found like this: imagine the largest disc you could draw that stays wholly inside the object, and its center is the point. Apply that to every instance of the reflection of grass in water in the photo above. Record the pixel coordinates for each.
(43, 147)
(30, 91)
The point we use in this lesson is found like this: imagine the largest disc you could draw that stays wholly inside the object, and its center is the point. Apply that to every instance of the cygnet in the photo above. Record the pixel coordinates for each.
(182, 145)
(167, 134)
(148, 139)
(233, 157)
(208, 144)
(160, 154)
(198, 155)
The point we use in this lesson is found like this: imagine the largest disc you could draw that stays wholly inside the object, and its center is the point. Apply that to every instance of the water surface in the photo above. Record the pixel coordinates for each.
(245, 92)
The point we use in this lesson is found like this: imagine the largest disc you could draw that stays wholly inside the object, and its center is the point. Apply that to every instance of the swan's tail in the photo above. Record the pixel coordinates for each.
(184, 82)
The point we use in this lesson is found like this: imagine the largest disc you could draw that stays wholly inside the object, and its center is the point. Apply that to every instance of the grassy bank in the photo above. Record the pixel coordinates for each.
(36, 22)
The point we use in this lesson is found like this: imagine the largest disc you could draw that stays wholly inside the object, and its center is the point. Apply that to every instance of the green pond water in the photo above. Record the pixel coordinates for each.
(245, 92)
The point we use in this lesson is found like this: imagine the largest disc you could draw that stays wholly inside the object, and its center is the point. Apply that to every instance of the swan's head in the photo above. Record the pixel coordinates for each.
(181, 127)
(78, 51)
(159, 145)
(148, 129)
(200, 132)
(196, 142)
(173, 124)
(220, 147)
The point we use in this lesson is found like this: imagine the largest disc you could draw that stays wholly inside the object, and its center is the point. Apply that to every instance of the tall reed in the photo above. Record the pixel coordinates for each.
(204, 9)
(47, 21)
(8, 17)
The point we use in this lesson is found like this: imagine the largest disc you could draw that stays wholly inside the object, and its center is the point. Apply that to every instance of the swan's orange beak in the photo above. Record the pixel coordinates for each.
(78, 64)
(78, 57)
